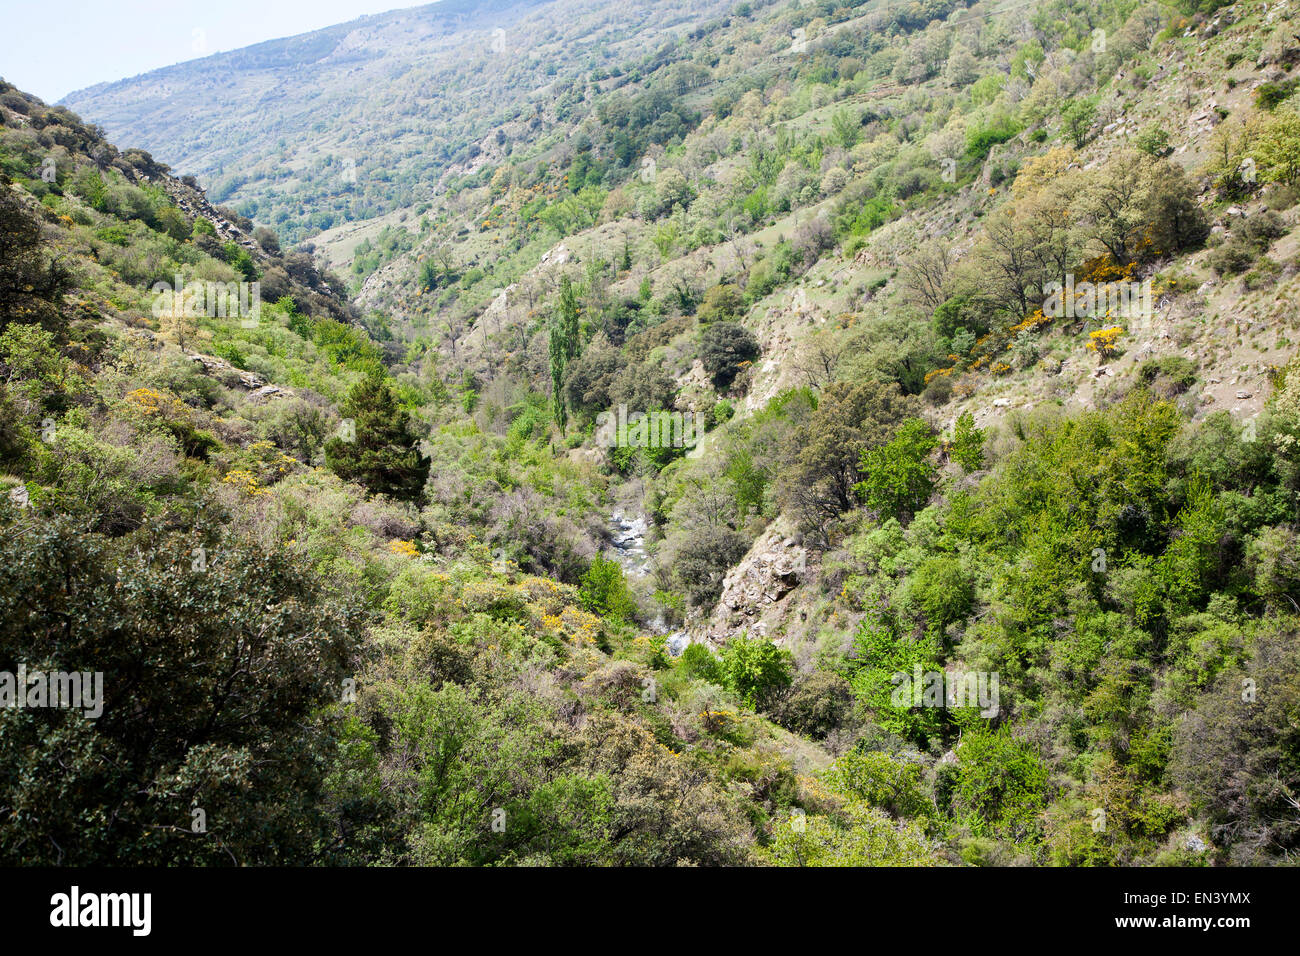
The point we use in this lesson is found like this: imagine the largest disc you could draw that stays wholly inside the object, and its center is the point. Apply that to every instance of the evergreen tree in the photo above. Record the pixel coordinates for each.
(383, 454)
(565, 343)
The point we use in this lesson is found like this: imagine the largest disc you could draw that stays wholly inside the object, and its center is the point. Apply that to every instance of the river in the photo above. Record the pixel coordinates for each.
(627, 540)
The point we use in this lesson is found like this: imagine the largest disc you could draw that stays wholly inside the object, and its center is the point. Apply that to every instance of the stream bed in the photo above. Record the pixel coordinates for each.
(627, 539)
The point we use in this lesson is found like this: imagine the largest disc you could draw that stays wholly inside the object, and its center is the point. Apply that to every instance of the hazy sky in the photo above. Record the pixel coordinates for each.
(52, 47)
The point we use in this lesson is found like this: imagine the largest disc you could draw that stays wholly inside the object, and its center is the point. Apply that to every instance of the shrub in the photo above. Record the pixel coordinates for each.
(697, 662)
(880, 781)
(1168, 376)
(725, 348)
(1236, 753)
(1154, 141)
(703, 559)
(1261, 229)
(1268, 95)
(32, 281)
(967, 444)
(980, 139)
(1001, 783)
(213, 680)
(899, 476)
(756, 670)
(867, 837)
(816, 705)
(722, 303)
(722, 411)
(1231, 257)
(603, 590)
(961, 313)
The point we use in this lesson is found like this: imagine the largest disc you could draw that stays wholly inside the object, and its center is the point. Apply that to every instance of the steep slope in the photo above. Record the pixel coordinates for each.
(891, 202)
(220, 511)
(360, 119)
(946, 351)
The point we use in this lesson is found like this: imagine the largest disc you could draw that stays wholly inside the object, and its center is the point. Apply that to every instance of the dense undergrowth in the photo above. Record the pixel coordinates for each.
(365, 619)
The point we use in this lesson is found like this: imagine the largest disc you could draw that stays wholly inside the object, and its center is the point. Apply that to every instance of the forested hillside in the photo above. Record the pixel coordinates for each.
(967, 531)
(380, 115)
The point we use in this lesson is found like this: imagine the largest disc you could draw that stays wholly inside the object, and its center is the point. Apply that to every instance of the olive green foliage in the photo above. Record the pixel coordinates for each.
(32, 280)
(725, 348)
(218, 668)
(849, 420)
(418, 655)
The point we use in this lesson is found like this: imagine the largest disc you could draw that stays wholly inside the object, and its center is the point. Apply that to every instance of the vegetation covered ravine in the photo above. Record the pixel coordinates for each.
(950, 557)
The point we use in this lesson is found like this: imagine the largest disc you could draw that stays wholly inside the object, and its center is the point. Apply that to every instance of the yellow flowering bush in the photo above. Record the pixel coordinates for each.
(545, 596)
(494, 598)
(145, 400)
(579, 626)
(271, 464)
(406, 549)
(245, 481)
(1103, 341)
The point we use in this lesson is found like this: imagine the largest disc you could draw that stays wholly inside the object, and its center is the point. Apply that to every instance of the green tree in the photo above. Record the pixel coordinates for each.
(883, 660)
(604, 590)
(1136, 206)
(943, 591)
(722, 302)
(1001, 783)
(966, 447)
(1276, 146)
(32, 280)
(217, 657)
(564, 344)
(880, 781)
(1154, 141)
(699, 663)
(240, 260)
(756, 669)
(899, 476)
(827, 448)
(725, 348)
(380, 451)
(1077, 117)
(846, 129)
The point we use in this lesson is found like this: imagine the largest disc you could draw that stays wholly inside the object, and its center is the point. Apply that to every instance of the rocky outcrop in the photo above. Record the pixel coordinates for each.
(259, 387)
(753, 592)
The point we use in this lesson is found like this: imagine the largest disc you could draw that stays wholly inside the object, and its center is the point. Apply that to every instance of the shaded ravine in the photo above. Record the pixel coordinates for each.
(627, 540)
